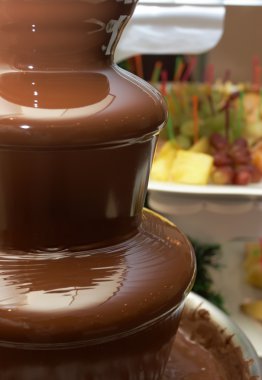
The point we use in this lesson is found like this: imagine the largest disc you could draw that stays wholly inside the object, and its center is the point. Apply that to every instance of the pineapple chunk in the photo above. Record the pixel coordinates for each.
(253, 264)
(201, 146)
(168, 148)
(253, 309)
(254, 275)
(163, 162)
(191, 168)
(252, 254)
(251, 107)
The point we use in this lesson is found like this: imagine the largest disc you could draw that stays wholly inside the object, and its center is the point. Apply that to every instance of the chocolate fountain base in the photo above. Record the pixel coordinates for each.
(191, 361)
(209, 346)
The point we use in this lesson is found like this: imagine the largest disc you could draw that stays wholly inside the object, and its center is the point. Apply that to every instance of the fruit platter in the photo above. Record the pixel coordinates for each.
(213, 138)
(207, 174)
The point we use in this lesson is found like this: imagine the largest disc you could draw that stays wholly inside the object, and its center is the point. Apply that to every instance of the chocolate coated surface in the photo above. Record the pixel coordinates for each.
(204, 351)
(108, 106)
(74, 296)
(60, 34)
(110, 312)
(58, 86)
(77, 134)
(91, 287)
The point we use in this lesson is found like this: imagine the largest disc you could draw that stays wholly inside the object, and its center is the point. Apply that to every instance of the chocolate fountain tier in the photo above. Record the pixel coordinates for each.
(58, 84)
(115, 308)
(96, 106)
(77, 133)
(97, 291)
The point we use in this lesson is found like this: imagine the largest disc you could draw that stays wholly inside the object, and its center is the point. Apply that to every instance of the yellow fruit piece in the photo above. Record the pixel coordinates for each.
(251, 107)
(169, 147)
(253, 131)
(161, 166)
(191, 168)
(253, 309)
(201, 146)
(252, 254)
(253, 264)
(254, 275)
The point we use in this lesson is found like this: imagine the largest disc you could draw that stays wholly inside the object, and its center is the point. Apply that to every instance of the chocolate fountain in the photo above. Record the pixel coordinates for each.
(91, 285)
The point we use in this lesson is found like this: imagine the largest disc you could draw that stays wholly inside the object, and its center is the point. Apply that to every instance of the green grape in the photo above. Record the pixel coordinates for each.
(218, 98)
(203, 108)
(213, 124)
(187, 128)
(183, 141)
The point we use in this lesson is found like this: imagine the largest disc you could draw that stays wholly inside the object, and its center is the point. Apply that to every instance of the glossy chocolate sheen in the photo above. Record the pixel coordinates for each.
(61, 34)
(58, 86)
(58, 109)
(109, 312)
(76, 133)
(96, 294)
(66, 198)
(91, 287)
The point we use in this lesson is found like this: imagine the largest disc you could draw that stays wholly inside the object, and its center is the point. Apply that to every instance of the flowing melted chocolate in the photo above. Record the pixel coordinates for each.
(108, 312)
(91, 287)
(101, 292)
(71, 110)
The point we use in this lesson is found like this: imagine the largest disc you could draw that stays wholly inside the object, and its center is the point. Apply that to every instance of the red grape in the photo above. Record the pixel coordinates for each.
(222, 159)
(256, 174)
(240, 156)
(243, 175)
(218, 142)
(240, 143)
(232, 162)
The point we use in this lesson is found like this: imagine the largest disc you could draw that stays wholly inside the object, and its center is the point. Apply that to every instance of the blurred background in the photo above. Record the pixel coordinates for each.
(222, 218)
(241, 41)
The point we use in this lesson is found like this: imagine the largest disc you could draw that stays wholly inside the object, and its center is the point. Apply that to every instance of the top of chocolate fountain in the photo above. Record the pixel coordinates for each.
(61, 35)
(56, 86)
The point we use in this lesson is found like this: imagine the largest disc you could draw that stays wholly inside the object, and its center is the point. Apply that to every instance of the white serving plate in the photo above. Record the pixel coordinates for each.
(249, 191)
(207, 214)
